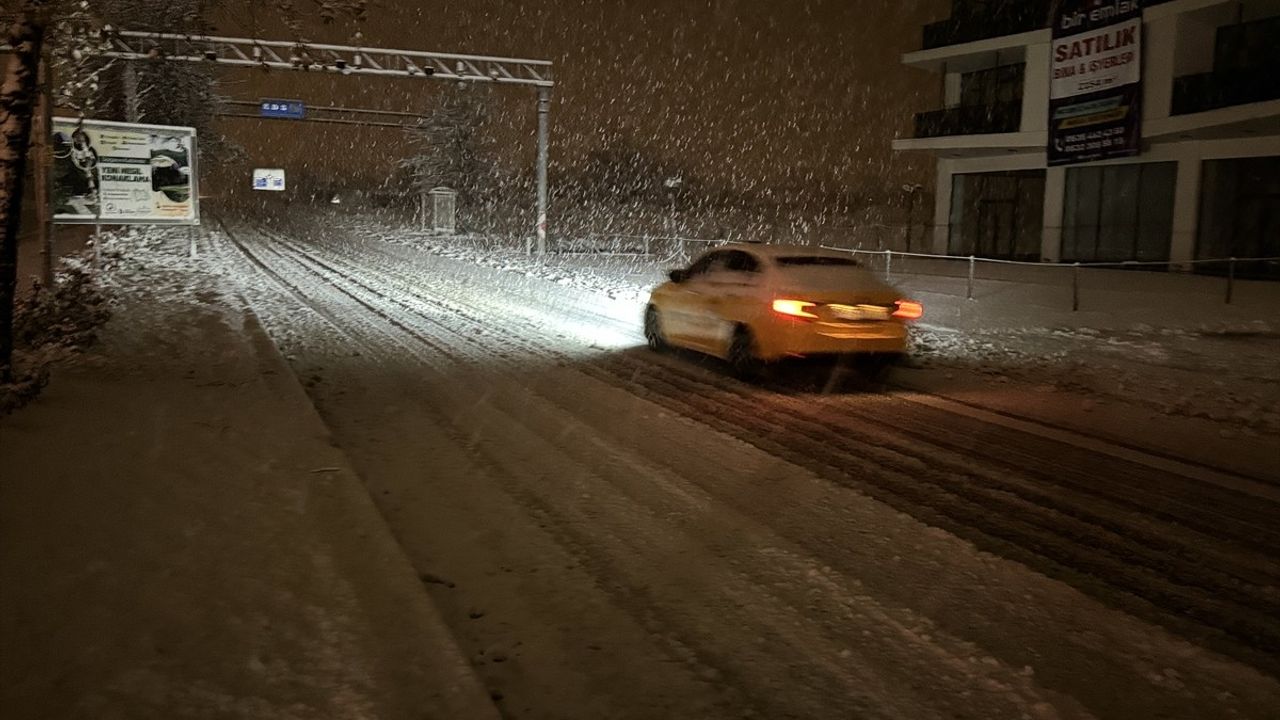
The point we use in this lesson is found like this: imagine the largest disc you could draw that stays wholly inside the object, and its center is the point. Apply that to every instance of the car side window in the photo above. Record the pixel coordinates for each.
(742, 262)
(711, 262)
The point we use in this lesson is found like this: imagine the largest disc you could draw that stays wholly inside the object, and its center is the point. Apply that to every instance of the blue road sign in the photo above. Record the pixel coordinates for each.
(286, 109)
(272, 183)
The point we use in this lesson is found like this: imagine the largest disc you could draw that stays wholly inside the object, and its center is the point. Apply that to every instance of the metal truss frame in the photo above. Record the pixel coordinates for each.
(316, 57)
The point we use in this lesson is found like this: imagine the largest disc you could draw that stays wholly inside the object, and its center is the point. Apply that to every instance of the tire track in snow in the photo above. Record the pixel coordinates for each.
(1032, 462)
(1047, 540)
(586, 534)
(389, 343)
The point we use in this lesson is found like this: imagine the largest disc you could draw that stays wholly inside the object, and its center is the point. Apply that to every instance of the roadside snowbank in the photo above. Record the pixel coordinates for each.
(52, 325)
(181, 538)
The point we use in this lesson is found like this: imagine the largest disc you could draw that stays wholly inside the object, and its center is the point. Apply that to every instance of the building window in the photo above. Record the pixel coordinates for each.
(1240, 214)
(997, 215)
(1115, 213)
(978, 19)
(1245, 56)
(993, 86)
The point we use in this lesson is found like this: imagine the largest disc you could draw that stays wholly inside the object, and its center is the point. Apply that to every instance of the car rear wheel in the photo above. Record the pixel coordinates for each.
(744, 363)
(873, 368)
(653, 330)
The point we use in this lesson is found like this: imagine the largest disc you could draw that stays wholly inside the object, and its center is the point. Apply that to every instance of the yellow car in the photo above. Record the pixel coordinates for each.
(753, 304)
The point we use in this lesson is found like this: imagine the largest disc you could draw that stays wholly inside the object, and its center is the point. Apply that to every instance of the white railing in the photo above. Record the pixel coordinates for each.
(670, 247)
(1075, 267)
(676, 248)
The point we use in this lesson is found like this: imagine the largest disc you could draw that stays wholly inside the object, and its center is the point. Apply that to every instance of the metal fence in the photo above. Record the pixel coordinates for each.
(884, 261)
(668, 248)
(680, 250)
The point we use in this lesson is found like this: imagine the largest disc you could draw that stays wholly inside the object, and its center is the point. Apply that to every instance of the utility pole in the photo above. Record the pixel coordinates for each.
(673, 191)
(131, 111)
(544, 113)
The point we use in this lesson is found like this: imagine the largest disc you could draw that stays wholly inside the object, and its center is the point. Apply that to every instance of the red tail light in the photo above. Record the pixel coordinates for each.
(908, 310)
(794, 308)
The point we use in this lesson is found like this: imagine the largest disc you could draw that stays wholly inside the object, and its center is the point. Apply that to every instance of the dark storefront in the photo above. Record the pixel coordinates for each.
(997, 215)
(1115, 213)
(1240, 214)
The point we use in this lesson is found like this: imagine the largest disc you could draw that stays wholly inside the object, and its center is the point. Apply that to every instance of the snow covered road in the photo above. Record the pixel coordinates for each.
(613, 533)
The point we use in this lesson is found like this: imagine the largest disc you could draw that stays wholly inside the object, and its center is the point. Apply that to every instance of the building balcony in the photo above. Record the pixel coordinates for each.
(971, 120)
(1214, 90)
(973, 20)
(1246, 56)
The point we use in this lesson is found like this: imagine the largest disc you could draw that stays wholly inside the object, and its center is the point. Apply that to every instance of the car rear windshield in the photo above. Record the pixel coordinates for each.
(812, 260)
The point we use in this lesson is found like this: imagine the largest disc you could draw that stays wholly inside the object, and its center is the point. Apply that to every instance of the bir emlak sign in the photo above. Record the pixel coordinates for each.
(1095, 89)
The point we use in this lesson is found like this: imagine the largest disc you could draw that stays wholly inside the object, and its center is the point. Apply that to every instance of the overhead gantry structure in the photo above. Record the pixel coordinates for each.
(351, 60)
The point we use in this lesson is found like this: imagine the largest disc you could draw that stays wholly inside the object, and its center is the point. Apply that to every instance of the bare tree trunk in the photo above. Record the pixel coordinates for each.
(17, 102)
(43, 175)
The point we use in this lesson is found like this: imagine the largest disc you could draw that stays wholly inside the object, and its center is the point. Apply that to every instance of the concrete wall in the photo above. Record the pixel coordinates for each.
(1196, 32)
(1259, 9)
(1035, 89)
(1161, 60)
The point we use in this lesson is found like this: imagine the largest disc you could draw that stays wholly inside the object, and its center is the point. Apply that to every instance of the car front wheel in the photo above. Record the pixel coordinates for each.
(744, 362)
(653, 330)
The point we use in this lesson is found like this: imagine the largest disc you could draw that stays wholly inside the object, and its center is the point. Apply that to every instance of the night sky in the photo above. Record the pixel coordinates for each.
(804, 95)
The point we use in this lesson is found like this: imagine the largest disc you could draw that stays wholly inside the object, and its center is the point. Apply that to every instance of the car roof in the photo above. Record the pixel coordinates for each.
(771, 250)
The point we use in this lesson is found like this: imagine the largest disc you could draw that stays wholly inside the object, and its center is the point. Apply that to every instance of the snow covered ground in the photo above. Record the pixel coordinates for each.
(613, 533)
(180, 538)
(1141, 340)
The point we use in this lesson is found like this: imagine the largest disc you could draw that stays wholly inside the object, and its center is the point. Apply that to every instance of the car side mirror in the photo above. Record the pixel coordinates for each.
(678, 275)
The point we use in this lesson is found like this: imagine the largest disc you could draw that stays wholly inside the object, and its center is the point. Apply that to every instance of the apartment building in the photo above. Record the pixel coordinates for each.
(1205, 184)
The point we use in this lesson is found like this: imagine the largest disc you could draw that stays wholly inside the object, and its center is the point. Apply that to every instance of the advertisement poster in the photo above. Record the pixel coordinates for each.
(123, 173)
(1095, 90)
(268, 179)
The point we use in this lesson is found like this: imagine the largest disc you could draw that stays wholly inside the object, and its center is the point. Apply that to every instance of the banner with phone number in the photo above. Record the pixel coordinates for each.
(1095, 90)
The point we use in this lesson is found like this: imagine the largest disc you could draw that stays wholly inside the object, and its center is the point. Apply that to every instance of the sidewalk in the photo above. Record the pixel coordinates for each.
(179, 538)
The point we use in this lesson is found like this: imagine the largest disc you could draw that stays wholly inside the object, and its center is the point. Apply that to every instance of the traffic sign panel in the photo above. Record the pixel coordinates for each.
(268, 179)
(286, 109)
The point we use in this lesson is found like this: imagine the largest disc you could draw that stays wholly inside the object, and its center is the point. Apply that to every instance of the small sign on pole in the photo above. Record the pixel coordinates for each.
(268, 179)
(283, 109)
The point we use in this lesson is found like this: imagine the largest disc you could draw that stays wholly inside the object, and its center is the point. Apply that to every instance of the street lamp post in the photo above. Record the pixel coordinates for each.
(911, 190)
(544, 112)
(673, 184)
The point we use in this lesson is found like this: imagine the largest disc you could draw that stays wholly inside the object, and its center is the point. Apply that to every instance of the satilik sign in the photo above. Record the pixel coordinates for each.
(1095, 90)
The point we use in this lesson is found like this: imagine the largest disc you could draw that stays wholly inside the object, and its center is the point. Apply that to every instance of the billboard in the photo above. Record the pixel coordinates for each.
(1095, 86)
(124, 173)
(268, 179)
